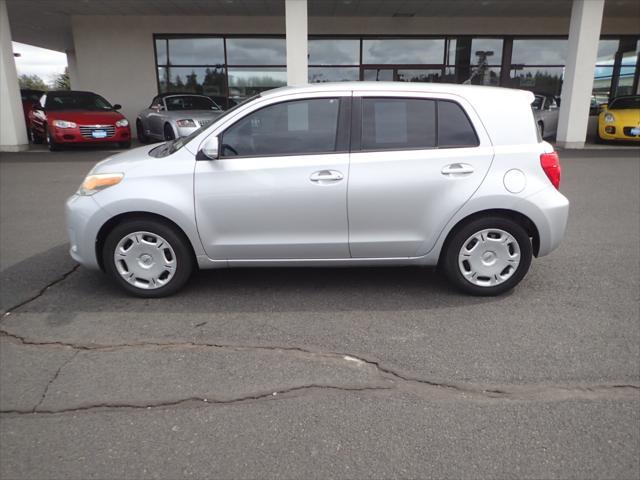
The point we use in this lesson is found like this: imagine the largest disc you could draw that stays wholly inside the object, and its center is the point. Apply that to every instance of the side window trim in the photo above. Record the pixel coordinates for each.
(473, 128)
(342, 135)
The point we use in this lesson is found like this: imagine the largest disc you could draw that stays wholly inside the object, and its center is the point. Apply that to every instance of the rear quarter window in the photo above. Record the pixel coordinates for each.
(454, 127)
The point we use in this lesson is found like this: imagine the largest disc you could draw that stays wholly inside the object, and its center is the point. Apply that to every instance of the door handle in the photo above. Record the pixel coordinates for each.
(326, 176)
(457, 169)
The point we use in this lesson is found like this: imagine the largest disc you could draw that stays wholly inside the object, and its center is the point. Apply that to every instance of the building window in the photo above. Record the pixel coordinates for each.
(403, 51)
(474, 61)
(538, 65)
(256, 51)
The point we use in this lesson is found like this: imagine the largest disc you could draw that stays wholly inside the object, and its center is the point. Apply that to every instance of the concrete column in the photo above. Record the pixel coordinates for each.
(72, 65)
(13, 133)
(584, 33)
(297, 39)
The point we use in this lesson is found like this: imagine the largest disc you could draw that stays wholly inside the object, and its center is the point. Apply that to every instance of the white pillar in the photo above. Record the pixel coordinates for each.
(296, 24)
(582, 52)
(72, 65)
(13, 133)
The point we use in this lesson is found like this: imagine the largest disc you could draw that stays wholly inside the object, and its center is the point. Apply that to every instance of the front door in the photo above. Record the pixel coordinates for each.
(279, 188)
(418, 160)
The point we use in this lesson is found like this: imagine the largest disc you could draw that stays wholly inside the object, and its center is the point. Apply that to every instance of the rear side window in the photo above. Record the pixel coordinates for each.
(398, 123)
(289, 128)
(454, 127)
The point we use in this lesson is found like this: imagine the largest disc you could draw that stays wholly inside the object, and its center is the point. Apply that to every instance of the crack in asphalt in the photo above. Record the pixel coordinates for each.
(423, 388)
(209, 400)
(41, 292)
(53, 379)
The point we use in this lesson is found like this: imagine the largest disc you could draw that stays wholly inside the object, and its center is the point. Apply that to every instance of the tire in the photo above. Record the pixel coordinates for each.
(51, 143)
(168, 133)
(497, 261)
(137, 269)
(125, 144)
(33, 137)
(142, 137)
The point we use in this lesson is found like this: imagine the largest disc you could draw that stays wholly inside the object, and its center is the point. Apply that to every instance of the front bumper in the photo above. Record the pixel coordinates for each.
(622, 133)
(84, 219)
(74, 135)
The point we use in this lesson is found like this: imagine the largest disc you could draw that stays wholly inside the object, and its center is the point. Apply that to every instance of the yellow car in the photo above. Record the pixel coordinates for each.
(620, 120)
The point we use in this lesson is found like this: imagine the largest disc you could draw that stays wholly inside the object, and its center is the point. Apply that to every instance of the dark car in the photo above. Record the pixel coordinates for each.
(69, 117)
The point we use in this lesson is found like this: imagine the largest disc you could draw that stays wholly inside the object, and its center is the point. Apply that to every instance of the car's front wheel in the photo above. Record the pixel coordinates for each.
(488, 256)
(147, 257)
(168, 133)
(51, 143)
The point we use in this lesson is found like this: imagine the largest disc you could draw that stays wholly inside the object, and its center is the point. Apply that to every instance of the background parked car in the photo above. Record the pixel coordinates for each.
(225, 103)
(175, 115)
(620, 119)
(545, 111)
(29, 98)
(68, 117)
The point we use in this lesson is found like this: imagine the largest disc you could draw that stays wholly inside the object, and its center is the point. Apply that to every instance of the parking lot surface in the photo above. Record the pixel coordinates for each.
(317, 373)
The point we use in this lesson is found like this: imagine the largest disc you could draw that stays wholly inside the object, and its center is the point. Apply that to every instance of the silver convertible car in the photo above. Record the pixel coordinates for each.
(342, 174)
(175, 115)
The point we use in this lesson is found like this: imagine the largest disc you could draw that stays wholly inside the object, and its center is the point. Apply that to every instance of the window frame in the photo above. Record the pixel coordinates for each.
(358, 131)
(342, 134)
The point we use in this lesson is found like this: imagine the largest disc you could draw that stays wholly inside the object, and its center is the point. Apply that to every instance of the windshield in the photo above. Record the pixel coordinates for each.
(31, 95)
(625, 103)
(173, 146)
(190, 102)
(76, 101)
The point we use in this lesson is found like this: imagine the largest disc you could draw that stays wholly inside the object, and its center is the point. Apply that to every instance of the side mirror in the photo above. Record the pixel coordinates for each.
(209, 150)
(117, 106)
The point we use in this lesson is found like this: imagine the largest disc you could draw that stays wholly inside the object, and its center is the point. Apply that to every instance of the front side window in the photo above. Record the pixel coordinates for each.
(398, 123)
(289, 128)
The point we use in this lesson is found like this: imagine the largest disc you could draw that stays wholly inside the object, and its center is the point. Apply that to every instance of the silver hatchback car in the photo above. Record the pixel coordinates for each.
(332, 175)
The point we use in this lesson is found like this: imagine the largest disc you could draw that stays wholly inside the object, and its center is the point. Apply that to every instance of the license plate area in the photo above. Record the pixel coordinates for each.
(99, 133)
(635, 131)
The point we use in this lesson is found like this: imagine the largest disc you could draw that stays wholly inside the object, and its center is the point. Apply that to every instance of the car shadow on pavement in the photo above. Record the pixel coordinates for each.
(230, 290)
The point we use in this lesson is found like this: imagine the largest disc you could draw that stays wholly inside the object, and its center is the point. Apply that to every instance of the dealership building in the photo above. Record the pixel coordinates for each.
(130, 50)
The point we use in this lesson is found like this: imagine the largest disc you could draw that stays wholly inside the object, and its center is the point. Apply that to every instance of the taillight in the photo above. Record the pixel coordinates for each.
(551, 165)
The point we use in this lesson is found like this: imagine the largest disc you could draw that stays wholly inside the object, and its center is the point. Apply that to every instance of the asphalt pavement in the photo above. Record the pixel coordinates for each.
(321, 373)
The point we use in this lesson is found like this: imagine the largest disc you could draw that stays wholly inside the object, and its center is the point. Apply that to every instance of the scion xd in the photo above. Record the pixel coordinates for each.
(332, 175)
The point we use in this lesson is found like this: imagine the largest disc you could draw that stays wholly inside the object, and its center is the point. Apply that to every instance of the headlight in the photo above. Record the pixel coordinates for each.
(99, 181)
(609, 118)
(63, 124)
(186, 122)
(122, 123)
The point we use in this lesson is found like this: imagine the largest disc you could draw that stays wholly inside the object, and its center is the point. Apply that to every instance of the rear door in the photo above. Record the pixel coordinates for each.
(416, 159)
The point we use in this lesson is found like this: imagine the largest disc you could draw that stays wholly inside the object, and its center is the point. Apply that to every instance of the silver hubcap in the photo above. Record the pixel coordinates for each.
(145, 260)
(489, 257)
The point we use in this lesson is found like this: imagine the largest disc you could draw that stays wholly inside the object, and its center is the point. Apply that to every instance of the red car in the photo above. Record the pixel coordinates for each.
(29, 98)
(68, 117)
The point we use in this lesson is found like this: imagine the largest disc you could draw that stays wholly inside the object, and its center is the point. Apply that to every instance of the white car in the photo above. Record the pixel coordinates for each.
(546, 111)
(343, 174)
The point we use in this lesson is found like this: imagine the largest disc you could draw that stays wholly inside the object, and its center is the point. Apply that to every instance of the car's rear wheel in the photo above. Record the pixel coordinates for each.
(147, 258)
(488, 256)
(168, 133)
(51, 143)
(142, 137)
(34, 137)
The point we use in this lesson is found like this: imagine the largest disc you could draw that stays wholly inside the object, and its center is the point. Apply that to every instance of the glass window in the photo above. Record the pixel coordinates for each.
(196, 51)
(190, 102)
(290, 128)
(161, 52)
(203, 80)
(483, 75)
(539, 51)
(334, 52)
(547, 80)
(419, 75)
(163, 79)
(403, 51)
(256, 51)
(398, 123)
(486, 49)
(454, 127)
(377, 74)
(246, 82)
(333, 74)
(607, 51)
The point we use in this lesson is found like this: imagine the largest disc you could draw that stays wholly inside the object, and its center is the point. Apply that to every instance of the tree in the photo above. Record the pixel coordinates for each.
(33, 82)
(62, 81)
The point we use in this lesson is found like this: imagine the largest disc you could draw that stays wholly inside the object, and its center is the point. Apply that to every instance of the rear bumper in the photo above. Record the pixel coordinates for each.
(551, 218)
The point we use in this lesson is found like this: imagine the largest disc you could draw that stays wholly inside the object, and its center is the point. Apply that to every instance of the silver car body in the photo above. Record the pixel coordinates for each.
(546, 112)
(155, 118)
(380, 208)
